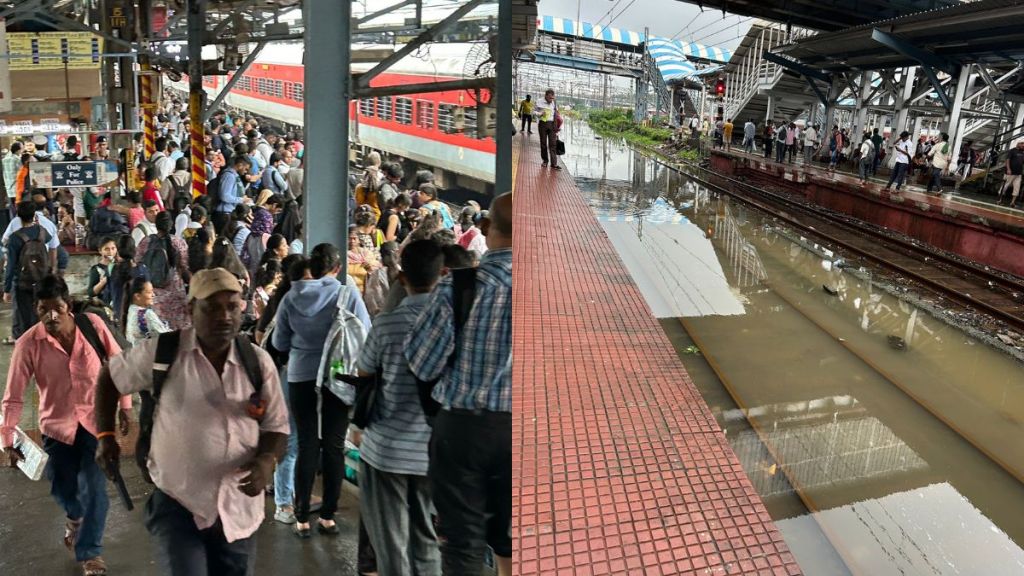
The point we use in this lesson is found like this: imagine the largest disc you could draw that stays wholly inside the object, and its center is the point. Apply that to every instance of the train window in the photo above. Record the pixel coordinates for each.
(425, 114)
(298, 93)
(403, 110)
(446, 118)
(278, 91)
(365, 107)
(384, 107)
(242, 84)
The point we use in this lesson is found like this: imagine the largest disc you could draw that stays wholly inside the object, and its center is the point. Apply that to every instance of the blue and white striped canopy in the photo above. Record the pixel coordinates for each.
(671, 60)
(586, 30)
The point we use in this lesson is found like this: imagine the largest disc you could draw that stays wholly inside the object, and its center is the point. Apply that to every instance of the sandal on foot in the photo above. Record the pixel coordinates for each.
(331, 530)
(94, 567)
(71, 528)
(302, 533)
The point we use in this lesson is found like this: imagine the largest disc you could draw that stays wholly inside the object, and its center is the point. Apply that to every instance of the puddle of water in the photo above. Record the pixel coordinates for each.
(813, 389)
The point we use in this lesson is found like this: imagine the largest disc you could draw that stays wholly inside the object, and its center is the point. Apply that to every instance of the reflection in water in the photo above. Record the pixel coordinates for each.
(822, 394)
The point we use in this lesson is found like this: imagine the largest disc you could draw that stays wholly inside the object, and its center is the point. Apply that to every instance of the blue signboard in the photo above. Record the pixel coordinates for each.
(68, 174)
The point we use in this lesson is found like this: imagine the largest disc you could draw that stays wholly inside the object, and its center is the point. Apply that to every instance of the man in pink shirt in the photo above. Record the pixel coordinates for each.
(64, 353)
(215, 439)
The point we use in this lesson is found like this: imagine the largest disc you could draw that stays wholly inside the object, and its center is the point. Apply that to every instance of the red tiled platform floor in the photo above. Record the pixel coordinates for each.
(620, 467)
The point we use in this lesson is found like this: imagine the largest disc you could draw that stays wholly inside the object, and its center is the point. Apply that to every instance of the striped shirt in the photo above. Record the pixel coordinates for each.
(480, 378)
(396, 441)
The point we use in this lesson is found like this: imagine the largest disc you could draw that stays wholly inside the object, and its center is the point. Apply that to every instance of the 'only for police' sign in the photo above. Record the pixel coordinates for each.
(73, 174)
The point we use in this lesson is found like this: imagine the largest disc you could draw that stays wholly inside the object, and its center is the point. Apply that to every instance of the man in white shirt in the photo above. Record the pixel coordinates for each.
(161, 161)
(546, 111)
(12, 164)
(810, 144)
(749, 131)
(904, 151)
(147, 226)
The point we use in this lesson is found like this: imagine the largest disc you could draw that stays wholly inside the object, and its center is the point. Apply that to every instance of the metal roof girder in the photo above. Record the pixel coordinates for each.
(937, 85)
(798, 67)
(926, 58)
(427, 36)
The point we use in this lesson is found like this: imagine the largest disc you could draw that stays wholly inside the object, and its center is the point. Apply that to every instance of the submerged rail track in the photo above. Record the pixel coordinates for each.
(998, 294)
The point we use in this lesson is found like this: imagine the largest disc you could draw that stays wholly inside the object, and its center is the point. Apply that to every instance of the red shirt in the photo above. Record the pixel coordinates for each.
(149, 192)
(67, 384)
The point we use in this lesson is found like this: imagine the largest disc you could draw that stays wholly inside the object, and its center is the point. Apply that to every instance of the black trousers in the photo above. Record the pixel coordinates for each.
(328, 439)
(185, 550)
(527, 122)
(548, 142)
(471, 481)
(219, 219)
(24, 312)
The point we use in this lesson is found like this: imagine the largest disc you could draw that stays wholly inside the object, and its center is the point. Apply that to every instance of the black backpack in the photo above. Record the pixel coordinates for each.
(252, 254)
(158, 260)
(33, 260)
(463, 295)
(183, 191)
(213, 190)
(166, 352)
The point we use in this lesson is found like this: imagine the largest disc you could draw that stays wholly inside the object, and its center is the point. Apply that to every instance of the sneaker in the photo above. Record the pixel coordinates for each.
(285, 515)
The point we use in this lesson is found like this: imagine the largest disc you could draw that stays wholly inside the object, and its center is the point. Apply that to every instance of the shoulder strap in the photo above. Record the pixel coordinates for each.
(88, 330)
(250, 362)
(166, 351)
(463, 295)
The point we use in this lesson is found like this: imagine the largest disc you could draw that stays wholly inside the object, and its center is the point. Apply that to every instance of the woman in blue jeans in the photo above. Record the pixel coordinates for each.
(296, 268)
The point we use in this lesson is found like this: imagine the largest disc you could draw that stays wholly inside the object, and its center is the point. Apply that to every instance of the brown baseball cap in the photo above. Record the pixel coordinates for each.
(206, 283)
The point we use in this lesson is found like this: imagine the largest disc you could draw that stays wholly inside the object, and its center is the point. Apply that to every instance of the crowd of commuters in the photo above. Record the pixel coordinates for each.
(252, 359)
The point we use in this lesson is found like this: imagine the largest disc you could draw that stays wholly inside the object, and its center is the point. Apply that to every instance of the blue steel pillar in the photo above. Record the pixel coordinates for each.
(327, 93)
(503, 131)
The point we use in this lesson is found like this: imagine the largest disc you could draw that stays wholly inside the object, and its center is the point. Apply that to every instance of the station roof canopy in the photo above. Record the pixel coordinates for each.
(824, 15)
(987, 32)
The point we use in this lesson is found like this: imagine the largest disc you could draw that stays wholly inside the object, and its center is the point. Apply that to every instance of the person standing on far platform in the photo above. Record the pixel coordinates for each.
(749, 132)
(790, 141)
(940, 155)
(547, 111)
(781, 137)
(810, 144)
(1014, 167)
(876, 141)
(63, 354)
(526, 115)
(904, 151)
(727, 132)
(835, 147)
(768, 134)
(867, 158)
(470, 450)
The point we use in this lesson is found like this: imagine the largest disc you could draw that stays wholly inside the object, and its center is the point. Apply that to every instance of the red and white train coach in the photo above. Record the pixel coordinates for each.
(437, 129)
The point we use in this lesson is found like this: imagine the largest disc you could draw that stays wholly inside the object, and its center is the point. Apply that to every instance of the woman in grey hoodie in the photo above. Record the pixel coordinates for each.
(304, 318)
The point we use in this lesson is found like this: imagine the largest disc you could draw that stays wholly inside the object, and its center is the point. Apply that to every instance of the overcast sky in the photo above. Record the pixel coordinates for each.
(664, 18)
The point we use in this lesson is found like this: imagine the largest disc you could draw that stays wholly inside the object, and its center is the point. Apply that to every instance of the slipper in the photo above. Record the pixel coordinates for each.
(71, 528)
(94, 567)
(331, 530)
(9, 342)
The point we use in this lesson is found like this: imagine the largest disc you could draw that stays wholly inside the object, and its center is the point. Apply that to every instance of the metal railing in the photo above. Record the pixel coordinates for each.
(753, 72)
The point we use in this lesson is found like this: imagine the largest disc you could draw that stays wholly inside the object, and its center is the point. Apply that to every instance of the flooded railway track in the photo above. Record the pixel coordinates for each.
(977, 287)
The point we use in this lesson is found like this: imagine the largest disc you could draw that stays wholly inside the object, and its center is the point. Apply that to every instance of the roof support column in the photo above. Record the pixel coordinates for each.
(861, 122)
(1018, 119)
(503, 130)
(906, 91)
(834, 91)
(953, 120)
(326, 115)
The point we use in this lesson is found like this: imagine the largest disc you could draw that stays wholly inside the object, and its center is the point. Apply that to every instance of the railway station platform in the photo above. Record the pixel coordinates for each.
(986, 234)
(620, 465)
(33, 525)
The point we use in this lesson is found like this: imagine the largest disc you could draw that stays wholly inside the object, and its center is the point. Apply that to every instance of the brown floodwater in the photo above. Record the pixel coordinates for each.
(882, 440)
